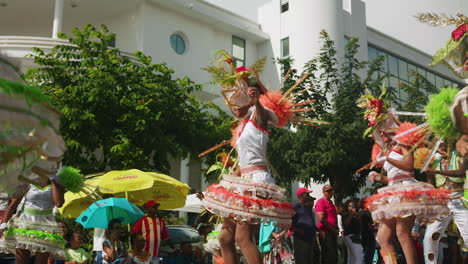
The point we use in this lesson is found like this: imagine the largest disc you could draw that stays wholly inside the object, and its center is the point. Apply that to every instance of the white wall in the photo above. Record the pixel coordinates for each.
(202, 42)
(245, 8)
(302, 23)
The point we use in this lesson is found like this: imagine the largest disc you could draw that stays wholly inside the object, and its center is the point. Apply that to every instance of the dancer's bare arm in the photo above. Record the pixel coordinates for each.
(462, 122)
(461, 172)
(407, 164)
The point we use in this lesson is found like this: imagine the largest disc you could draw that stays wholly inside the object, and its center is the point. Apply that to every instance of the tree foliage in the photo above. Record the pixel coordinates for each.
(122, 112)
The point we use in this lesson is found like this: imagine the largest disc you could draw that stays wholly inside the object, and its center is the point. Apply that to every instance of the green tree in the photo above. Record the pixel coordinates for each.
(122, 112)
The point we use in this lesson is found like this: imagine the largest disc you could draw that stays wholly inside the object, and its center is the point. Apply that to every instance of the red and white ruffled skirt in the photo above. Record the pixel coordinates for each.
(406, 198)
(249, 201)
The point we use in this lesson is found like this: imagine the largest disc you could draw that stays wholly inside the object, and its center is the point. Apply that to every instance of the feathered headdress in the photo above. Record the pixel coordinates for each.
(439, 114)
(455, 51)
(410, 134)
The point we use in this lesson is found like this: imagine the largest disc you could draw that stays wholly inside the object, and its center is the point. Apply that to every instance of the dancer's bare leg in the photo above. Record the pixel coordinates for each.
(227, 242)
(23, 256)
(385, 236)
(41, 258)
(403, 231)
(246, 244)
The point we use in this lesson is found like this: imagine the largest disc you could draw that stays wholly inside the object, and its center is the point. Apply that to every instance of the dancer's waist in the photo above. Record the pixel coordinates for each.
(253, 168)
(399, 178)
(32, 211)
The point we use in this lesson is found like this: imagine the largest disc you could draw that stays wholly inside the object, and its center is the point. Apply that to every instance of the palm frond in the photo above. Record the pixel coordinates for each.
(219, 74)
(259, 65)
(441, 20)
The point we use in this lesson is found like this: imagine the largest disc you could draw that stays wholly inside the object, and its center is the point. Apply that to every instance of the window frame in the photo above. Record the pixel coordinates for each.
(178, 37)
(284, 6)
(235, 59)
(282, 47)
(437, 79)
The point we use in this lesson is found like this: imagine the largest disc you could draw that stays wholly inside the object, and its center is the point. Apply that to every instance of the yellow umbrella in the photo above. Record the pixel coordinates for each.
(167, 191)
(125, 181)
(135, 185)
(76, 203)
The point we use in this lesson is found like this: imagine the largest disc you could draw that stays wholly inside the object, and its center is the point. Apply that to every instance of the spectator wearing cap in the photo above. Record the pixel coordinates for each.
(303, 225)
(327, 225)
(153, 230)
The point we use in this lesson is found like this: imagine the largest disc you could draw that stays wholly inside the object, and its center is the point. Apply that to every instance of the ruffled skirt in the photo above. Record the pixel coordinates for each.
(36, 233)
(407, 198)
(245, 200)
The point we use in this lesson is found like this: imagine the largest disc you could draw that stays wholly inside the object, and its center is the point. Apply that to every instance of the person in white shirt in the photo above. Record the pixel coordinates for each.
(98, 239)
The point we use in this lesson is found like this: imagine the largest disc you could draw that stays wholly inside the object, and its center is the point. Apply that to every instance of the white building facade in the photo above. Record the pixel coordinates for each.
(186, 33)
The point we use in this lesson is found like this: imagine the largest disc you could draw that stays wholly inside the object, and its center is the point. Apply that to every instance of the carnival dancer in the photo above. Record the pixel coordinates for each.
(397, 205)
(249, 195)
(33, 228)
(448, 174)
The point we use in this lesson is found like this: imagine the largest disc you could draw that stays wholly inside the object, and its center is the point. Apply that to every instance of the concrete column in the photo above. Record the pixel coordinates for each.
(184, 177)
(58, 15)
(306, 19)
(203, 184)
(359, 26)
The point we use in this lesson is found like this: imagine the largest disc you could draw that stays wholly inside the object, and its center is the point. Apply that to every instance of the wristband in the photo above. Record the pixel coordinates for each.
(3, 226)
(382, 159)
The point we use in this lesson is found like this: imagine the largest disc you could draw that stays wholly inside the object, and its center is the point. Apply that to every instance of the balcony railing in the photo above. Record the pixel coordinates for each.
(20, 46)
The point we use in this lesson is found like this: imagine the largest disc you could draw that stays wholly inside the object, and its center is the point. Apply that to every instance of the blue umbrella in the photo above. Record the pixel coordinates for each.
(100, 213)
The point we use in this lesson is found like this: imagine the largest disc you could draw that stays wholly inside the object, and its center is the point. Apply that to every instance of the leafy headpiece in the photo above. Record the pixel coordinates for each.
(455, 51)
(235, 81)
(377, 112)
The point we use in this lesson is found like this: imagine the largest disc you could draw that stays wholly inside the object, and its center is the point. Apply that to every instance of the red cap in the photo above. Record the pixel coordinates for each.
(302, 190)
(151, 203)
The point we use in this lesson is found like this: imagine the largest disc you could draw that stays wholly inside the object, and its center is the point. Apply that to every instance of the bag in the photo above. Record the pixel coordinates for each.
(355, 239)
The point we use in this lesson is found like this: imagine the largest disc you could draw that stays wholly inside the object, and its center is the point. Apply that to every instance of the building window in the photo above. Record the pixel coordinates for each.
(238, 51)
(178, 43)
(284, 5)
(111, 43)
(400, 70)
(285, 47)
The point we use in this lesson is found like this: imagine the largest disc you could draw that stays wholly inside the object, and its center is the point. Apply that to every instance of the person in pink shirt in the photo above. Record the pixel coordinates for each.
(327, 225)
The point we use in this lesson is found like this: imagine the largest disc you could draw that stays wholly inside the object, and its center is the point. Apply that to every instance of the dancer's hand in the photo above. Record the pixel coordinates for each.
(374, 176)
(200, 195)
(462, 145)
